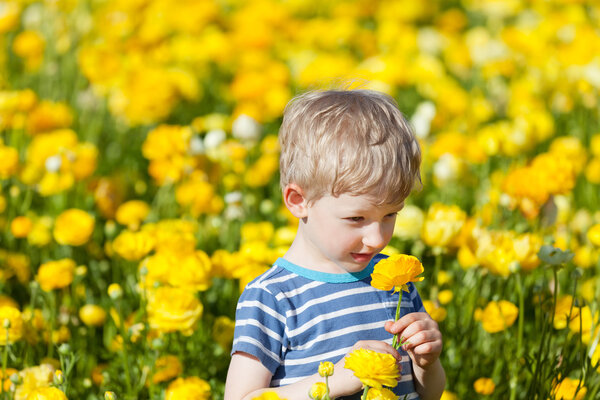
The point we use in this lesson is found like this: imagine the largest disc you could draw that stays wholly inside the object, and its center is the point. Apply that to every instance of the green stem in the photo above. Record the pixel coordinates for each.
(395, 341)
(52, 299)
(124, 350)
(364, 395)
(515, 378)
(4, 364)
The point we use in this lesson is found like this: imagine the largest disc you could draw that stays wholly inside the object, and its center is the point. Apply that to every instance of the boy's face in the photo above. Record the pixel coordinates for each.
(342, 234)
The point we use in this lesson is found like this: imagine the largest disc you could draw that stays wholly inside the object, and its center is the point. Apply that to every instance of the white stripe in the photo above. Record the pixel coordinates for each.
(262, 284)
(264, 329)
(333, 296)
(254, 342)
(340, 332)
(262, 307)
(300, 290)
(335, 314)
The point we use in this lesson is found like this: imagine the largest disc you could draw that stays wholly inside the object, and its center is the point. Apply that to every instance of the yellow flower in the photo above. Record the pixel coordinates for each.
(48, 116)
(446, 395)
(92, 315)
(30, 46)
(73, 227)
(56, 274)
(222, 332)
(9, 17)
(435, 311)
(132, 213)
(564, 312)
(269, 395)
(381, 394)
(166, 368)
(442, 225)
(9, 161)
(21, 226)
(326, 368)
(172, 309)
(33, 378)
(565, 390)
(373, 369)
(191, 388)
(47, 393)
(409, 223)
(11, 325)
(395, 272)
(499, 315)
(484, 386)
(445, 296)
(318, 391)
(593, 235)
(133, 246)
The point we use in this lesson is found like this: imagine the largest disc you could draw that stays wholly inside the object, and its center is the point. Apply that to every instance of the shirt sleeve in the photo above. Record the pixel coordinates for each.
(259, 326)
(415, 298)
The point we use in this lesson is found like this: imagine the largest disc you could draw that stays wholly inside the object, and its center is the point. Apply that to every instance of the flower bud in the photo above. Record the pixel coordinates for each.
(326, 368)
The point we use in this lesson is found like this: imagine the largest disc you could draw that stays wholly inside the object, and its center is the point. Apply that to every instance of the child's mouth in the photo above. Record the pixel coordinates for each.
(362, 257)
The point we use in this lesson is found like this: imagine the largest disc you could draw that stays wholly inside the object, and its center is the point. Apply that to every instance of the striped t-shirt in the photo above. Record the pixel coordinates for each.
(292, 318)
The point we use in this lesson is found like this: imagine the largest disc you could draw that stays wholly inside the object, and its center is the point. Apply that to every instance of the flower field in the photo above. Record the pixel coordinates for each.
(140, 191)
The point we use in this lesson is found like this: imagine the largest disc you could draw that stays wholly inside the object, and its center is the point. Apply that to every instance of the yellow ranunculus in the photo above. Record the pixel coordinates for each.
(47, 393)
(381, 394)
(92, 315)
(593, 235)
(318, 391)
(222, 332)
(173, 309)
(132, 213)
(484, 386)
(435, 311)
(33, 378)
(409, 223)
(133, 246)
(446, 395)
(326, 368)
(166, 368)
(395, 272)
(21, 226)
(11, 325)
(269, 395)
(73, 227)
(9, 161)
(188, 388)
(499, 315)
(373, 369)
(56, 274)
(565, 390)
(564, 312)
(442, 225)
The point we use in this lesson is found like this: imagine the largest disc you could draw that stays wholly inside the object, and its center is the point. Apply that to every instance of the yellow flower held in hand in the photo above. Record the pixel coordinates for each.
(326, 368)
(318, 391)
(396, 271)
(381, 394)
(46, 393)
(373, 369)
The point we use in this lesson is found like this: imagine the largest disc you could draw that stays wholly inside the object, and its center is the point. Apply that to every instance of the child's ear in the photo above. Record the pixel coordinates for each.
(293, 197)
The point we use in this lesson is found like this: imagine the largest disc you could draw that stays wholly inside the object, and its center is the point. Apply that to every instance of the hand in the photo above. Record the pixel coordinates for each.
(343, 382)
(422, 334)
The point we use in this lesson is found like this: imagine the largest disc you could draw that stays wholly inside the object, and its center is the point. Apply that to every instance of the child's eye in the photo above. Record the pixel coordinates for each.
(355, 219)
(390, 215)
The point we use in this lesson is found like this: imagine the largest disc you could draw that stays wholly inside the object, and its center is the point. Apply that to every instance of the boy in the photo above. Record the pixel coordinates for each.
(348, 161)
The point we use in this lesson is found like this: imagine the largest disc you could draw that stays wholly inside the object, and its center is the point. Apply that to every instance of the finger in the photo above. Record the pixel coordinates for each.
(402, 323)
(427, 349)
(420, 326)
(421, 337)
(378, 346)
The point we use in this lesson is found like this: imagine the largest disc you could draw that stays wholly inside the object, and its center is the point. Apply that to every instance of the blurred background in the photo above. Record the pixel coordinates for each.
(139, 182)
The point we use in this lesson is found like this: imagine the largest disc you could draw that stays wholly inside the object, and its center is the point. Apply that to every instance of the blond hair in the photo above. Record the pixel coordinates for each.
(348, 141)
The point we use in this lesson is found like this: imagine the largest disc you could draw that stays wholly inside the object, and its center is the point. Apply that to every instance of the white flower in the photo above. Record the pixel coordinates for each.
(245, 128)
(214, 138)
(53, 163)
(421, 119)
(196, 146)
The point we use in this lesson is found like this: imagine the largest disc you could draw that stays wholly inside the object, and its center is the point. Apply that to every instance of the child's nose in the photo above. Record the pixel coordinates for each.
(374, 236)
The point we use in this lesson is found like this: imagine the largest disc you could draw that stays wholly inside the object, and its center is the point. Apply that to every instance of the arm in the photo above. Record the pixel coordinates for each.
(424, 348)
(248, 378)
